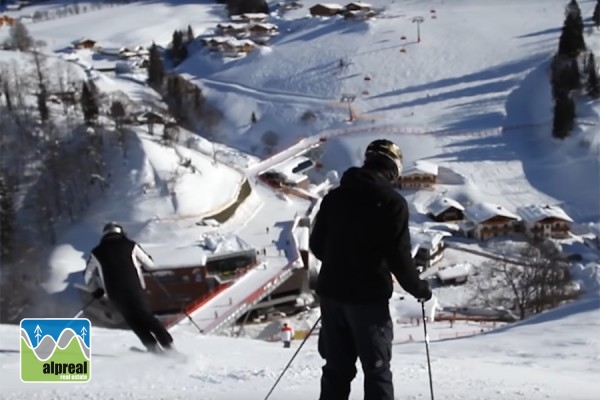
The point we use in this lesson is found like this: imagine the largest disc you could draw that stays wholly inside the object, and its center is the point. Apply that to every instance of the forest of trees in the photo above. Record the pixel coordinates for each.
(574, 72)
(58, 138)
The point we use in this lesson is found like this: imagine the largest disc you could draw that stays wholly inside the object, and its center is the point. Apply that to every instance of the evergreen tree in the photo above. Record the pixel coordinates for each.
(178, 49)
(253, 118)
(573, 8)
(564, 116)
(596, 16)
(7, 216)
(592, 86)
(89, 104)
(571, 41)
(565, 75)
(156, 68)
(190, 33)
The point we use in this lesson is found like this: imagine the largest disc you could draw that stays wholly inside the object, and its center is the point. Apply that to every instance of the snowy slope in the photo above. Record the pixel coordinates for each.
(552, 356)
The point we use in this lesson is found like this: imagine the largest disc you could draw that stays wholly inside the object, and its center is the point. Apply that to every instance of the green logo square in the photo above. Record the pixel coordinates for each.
(56, 350)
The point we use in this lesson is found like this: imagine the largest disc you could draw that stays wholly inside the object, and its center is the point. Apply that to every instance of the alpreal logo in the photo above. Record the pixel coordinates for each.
(56, 350)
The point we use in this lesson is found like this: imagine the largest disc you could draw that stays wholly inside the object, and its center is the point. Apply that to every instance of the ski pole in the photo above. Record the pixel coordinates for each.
(293, 357)
(427, 348)
(164, 289)
(96, 295)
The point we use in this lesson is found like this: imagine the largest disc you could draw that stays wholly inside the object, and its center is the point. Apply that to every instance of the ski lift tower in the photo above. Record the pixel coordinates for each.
(418, 21)
(349, 98)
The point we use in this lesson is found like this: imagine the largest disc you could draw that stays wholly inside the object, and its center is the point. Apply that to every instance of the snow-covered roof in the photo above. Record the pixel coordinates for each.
(196, 254)
(539, 212)
(233, 25)
(481, 212)
(239, 42)
(218, 39)
(454, 271)
(264, 25)
(359, 4)
(441, 204)
(331, 6)
(421, 167)
(249, 16)
(82, 40)
(177, 257)
(426, 238)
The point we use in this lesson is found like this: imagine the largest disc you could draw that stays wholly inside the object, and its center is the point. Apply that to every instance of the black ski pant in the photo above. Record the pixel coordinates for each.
(140, 319)
(351, 331)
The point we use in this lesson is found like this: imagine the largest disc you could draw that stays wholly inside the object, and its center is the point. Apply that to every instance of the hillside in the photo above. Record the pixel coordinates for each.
(473, 97)
(552, 356)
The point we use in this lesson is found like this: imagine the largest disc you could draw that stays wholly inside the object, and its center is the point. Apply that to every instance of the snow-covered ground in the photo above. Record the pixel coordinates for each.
(552, 356)
(472, 96)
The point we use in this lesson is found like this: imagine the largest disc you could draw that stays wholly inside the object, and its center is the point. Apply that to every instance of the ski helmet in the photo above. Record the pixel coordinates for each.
(388, 150)
(112, 227)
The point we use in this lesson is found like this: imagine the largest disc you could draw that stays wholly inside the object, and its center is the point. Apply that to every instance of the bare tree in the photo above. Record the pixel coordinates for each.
(541, 285)
(42, 94)
(19, 37)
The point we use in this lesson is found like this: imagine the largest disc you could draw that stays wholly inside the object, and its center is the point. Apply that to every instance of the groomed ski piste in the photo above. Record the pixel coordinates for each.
(472, 97)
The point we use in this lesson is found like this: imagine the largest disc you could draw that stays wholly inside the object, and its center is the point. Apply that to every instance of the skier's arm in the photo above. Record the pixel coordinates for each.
(91, 269)
(398, 252)
(142, 261)
(92, 275)
(316, 241)
(144, 258)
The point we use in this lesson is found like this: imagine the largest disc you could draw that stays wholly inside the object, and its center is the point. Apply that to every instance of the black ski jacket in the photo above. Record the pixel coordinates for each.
(361, 236)
(118, 263)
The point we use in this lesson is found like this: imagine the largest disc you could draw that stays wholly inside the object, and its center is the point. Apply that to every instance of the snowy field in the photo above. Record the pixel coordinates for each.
(472, 96)
(552, 356)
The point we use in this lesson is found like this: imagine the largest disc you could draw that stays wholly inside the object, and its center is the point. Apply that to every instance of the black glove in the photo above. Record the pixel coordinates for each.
(98, 293)
(423, 293)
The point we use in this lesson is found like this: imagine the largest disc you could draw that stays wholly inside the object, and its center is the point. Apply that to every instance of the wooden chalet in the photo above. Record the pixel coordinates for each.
(235, 46)
(263, 29)
(250, 17)
(445, 209)
(325, 10)
(358, 15)
(231, 28)
(215, 43)
(488, 220)
(545, 221)
(428, 246)
(358, 6)
(419, 175)
(85, 44)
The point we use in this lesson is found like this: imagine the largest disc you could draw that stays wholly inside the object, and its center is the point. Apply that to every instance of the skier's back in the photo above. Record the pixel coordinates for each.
(116, 265)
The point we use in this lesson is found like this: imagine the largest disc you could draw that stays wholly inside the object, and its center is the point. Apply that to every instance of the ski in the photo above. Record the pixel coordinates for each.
(172, 354)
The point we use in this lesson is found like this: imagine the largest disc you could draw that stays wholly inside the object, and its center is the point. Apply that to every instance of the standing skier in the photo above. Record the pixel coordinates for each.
(116, 265)
(361, 236)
